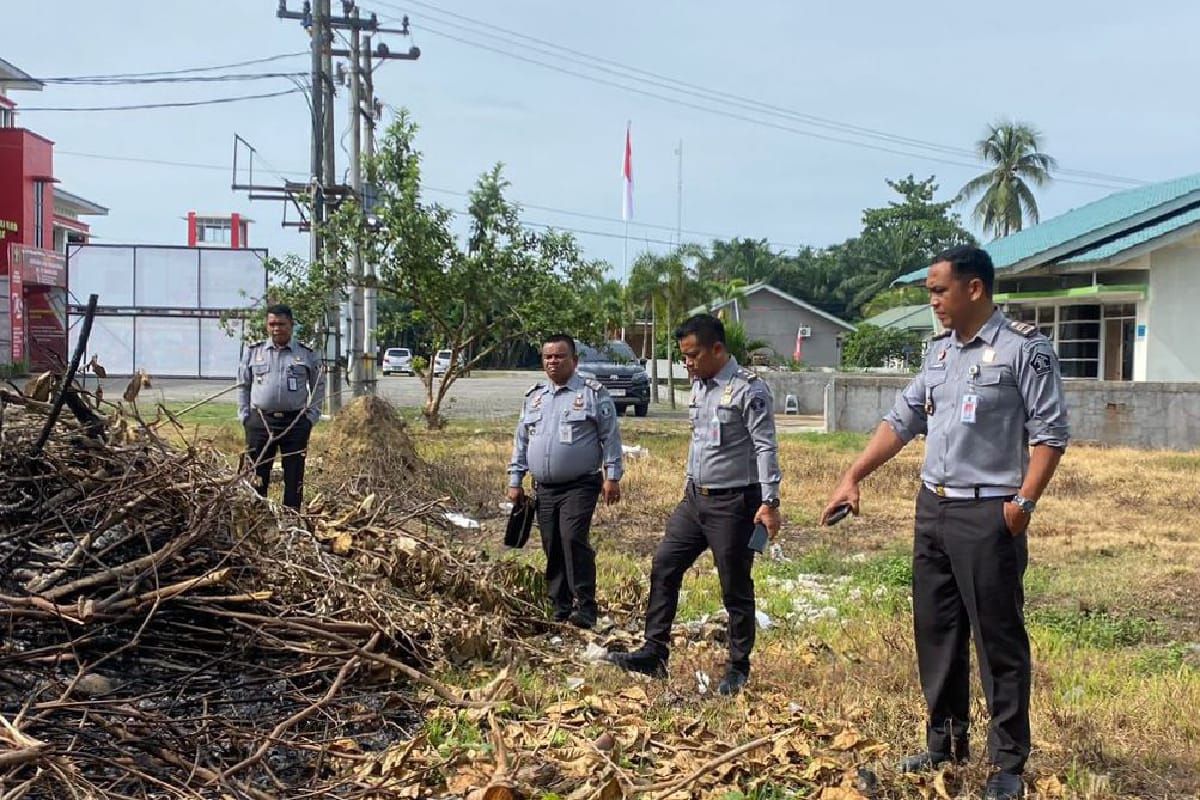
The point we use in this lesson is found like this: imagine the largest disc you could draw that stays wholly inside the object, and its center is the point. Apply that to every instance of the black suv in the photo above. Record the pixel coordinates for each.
(616, 366)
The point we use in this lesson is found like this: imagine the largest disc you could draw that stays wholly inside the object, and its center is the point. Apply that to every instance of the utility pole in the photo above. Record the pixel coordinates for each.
(370, 292)
(357, 328)
(323, 188)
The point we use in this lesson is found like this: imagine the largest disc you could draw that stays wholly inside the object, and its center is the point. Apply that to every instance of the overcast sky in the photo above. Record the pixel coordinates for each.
(1110, 84)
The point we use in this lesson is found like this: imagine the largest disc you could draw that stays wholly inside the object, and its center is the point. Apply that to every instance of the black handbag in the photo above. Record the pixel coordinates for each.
(520, 522)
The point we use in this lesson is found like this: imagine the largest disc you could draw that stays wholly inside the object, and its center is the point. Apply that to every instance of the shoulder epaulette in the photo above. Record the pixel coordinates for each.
(306, 346)
(593, 384)
(533, 389)
(746, 374)
(941, 335)
(259, 343)
(1026, 329)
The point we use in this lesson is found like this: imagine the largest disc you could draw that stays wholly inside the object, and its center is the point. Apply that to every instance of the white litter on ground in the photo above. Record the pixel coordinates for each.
(460, 520)
(633, 451)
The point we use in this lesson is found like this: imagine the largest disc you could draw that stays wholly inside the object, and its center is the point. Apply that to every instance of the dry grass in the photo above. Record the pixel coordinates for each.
(1114, 602)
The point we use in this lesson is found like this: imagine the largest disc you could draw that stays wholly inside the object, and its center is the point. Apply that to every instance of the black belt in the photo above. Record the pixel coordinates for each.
(280, 414)
(707, 492)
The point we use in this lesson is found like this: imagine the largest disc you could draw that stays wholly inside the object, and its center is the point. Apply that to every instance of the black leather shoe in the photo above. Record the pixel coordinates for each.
(926, 761)
(582, 619)
(641, 661)
(733, 682)
(1004, 786)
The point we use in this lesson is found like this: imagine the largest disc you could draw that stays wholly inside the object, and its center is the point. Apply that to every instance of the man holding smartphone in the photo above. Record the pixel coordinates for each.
(732, 485)
(989, 393)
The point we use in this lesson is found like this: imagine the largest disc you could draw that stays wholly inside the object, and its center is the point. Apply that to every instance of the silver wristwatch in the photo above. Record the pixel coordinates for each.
(1024, 503)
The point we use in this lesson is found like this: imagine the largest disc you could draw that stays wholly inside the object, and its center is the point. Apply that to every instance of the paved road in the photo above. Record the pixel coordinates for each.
(482, 396)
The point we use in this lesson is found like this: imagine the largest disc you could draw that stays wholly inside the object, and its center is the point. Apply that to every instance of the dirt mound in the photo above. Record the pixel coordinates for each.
(368, 444)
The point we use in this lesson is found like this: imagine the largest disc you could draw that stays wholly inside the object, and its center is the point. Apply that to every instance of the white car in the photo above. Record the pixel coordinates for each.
(397, 359)
(441, 360)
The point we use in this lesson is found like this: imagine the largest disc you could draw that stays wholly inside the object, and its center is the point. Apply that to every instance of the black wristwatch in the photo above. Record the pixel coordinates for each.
(1024, 503)
(771, 503)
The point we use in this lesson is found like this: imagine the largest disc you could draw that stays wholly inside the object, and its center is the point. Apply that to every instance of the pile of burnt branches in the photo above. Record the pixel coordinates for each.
(168, 633)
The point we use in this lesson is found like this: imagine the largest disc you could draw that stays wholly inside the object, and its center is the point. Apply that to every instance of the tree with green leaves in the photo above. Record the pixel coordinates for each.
(1006, 203)
(505, 284)
(871, 346)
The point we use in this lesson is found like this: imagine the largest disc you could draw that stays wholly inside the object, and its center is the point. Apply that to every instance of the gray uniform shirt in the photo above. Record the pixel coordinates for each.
(733, 432)
(566, 432)
(274, 378)
(982, 403)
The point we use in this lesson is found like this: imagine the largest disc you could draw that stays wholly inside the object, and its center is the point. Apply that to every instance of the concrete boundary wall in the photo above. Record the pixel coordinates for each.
(1143, 415)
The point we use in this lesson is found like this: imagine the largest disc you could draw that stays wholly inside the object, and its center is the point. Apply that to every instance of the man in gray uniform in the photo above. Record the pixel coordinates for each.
(567, 431)
(280, 390)
(732, 484)
(989, 389)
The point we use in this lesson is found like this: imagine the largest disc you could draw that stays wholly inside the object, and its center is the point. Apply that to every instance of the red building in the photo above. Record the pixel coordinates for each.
(37, 222)
(218, 230)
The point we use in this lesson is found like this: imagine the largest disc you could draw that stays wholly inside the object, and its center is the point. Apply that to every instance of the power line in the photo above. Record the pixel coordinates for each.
(439, 190)
(230, 78)
(673, 84)
(182, 71)
(178, 104)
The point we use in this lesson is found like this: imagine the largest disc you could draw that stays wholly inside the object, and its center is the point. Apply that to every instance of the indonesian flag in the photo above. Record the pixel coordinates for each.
(627, 172)
(799, 351)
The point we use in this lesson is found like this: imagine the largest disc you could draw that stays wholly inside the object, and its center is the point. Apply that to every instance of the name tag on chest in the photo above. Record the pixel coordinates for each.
(970, 404)
(566, 433)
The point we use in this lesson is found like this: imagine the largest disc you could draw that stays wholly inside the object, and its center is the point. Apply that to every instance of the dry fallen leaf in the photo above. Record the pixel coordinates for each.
(841, 793)
(342, 543)
(1049, 786)
(96, 368)
(39, 388)
(848, 739)
(939, 785)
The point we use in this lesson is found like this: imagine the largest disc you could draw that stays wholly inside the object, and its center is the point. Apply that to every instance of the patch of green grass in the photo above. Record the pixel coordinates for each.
(838, 442)
(217, 414)
(450, 733)
(1160, 660)
(1180, 462)
(1099, 630)
(891, 570)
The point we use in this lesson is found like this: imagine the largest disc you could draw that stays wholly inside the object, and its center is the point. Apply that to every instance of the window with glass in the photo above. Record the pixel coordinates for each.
(1092, 340)
(39, 212)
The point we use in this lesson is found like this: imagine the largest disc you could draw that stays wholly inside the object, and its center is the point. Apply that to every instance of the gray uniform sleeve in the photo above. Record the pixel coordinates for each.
(316, 386)
(518, 465)
(1040, 381)
(610, 436)
(907, 417)
(243, 383)
(759, 415)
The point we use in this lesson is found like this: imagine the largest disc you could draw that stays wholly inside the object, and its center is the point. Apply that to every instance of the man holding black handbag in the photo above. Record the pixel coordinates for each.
(567, 433)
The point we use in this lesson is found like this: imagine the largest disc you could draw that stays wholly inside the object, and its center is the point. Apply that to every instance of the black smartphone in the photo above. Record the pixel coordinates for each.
(758, 539)
(839, 514)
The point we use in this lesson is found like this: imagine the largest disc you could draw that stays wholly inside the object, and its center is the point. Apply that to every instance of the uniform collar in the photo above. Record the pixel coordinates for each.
(289, 346)
(574, 383)
(989, 330)
(725, 373)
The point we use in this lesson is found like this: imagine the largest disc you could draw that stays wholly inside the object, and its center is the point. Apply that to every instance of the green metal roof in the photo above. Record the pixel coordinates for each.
(908, 318)
(1079, 227)
(1132, 240)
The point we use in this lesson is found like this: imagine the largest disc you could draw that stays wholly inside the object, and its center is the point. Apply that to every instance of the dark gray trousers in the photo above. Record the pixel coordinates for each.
(722, 523)
(967, 580)
(564, 514)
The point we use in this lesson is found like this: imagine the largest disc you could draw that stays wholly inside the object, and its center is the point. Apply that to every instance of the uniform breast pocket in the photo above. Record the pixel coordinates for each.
(532, 420)
(728, 415)
(935, 389)
(693, 417)
(992, 385)
(260, 371)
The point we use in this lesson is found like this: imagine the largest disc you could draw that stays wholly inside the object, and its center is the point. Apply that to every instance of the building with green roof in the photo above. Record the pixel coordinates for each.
(1115, 283)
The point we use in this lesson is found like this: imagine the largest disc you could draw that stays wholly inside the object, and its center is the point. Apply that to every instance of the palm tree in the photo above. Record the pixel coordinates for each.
(1008, 201)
